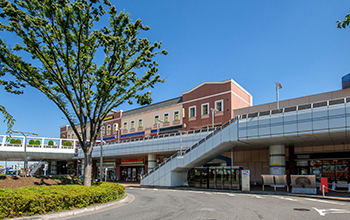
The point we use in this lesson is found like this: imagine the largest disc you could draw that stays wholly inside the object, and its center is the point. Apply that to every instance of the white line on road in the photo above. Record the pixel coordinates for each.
(324, 201)
(284, 198)
(323, 212)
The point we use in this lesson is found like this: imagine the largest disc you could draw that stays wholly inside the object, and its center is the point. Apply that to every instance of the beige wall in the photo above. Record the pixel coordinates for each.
(148, 119)
(293, 102)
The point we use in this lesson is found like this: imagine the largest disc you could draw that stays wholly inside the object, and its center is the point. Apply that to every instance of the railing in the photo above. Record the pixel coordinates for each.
(252, 115)
(173, 134)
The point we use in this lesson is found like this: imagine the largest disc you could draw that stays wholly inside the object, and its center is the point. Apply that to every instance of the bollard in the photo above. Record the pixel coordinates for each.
(323, 191)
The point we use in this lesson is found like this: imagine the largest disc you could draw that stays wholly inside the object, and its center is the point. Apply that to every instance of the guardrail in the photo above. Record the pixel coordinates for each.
(173, 134)
(252, 115)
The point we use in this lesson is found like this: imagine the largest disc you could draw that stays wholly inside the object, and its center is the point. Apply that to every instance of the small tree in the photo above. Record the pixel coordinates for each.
(31, 142)
(50, 143)
(85, 70)
(18, 141)
(37, 142)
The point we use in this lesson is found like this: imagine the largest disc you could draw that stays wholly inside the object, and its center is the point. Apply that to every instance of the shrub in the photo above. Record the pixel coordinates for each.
(37, 142)
(50, 143)
(67, 144)
(28, 201)
(13, 141)
(18, 141)
(31, 142)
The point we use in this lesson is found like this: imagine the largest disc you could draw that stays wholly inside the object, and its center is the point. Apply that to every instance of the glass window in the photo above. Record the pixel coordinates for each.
(193, 111)
(125, 125)
(132, 124)
(103, 129)
(108, 129)
(156, 119)
(176, 116)
(205, 109)
(219, 105)
(115, 127)
(140, 123)
(166, 117)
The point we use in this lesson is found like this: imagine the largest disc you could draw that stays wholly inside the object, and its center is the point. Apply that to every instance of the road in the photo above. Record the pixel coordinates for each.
(182, 204)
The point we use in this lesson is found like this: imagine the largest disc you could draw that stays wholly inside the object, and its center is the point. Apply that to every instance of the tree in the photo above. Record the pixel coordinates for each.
(85, 71)
(11, 87)
(345, 22)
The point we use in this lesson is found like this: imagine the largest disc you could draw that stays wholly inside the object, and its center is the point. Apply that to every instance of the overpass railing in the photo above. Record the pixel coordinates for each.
(253, 115)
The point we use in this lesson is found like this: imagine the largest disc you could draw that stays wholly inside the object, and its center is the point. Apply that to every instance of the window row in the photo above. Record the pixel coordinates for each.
(218, 107)
(156, 120)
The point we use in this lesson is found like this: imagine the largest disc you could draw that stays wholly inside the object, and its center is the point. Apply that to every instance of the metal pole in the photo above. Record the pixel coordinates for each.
(25, 155)
(212, 120)
(278, 104)
(101, 157)
(180, 142)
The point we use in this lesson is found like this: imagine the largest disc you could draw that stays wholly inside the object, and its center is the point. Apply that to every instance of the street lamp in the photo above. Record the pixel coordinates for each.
(159, 121)
(101, 157)
(213, 110)
(278, 87)
(25, 134)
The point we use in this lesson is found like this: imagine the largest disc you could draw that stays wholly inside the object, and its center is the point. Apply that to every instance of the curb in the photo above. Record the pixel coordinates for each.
(126, 199)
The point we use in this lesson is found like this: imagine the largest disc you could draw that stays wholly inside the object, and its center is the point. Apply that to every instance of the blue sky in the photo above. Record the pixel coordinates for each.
(254, 42)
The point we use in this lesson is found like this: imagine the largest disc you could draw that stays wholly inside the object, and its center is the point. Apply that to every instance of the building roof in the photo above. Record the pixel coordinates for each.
(219, 82)
(153, 107)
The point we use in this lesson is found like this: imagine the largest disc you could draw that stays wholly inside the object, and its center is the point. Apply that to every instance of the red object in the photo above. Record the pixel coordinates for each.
(324, 182)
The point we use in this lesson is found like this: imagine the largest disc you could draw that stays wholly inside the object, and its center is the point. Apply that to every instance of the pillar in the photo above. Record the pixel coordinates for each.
(152, 161)
(292, 169)
(117, 169)
(94, 169)
(54, 167)
(76, 165)
(146, 164)
(277, 159)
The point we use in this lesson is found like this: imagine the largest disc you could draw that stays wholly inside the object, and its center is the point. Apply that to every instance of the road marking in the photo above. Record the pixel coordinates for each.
(324, 201)
(284, 198)
(323, 212)
(155, 189)
(230, 194)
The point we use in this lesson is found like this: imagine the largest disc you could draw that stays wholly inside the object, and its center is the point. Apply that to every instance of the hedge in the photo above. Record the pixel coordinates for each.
(28, 201)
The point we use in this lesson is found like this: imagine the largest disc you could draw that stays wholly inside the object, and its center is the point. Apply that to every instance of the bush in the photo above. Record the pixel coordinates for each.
(31, 142)
(67, 144)
(28, 201)
(37, 142)
(15, 141)
(50, 143)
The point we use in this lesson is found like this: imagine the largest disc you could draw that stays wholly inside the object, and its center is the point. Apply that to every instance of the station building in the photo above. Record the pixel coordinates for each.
(206, 105)
(215, 103)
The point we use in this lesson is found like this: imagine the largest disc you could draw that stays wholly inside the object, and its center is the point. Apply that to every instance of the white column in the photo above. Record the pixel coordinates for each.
(152, 161)
(277, 159)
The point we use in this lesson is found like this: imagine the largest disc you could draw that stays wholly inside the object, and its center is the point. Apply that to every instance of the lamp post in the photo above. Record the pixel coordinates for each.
(25, 134)
(101, 157)
(278, 87)
(159, 121)
(213, 110)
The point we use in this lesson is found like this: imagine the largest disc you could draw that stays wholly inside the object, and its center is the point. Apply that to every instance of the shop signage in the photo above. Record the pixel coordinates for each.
(108, 118)
(132, 161)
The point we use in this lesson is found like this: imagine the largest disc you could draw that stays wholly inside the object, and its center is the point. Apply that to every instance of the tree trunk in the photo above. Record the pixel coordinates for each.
(87, 169)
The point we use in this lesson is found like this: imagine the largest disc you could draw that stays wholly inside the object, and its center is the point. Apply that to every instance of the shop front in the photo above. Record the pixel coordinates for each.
(322, 165)
(132, 169)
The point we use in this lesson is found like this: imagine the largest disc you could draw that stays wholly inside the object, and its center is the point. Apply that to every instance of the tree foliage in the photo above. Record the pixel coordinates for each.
(345, 22)
(83, 55)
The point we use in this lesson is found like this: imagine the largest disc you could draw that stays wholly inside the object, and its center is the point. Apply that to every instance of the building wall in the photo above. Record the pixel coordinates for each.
(294, 102)
(228, 93)
(148, 120)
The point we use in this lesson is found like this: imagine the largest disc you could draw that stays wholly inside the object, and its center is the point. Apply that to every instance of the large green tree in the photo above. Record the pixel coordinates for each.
(83, 55)
(11, 87)
(345, 22)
